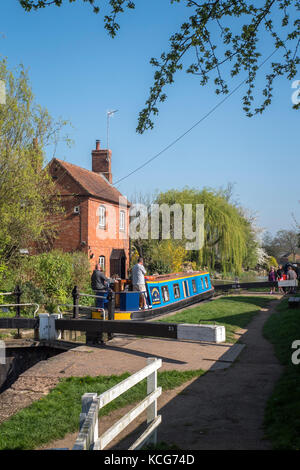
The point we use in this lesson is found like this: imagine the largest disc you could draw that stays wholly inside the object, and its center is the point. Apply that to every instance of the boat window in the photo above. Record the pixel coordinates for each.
(176, 291)
(165, 293)
(194, 286)
(187, 288)
(206, 282)
(184, 289)
(202, 284)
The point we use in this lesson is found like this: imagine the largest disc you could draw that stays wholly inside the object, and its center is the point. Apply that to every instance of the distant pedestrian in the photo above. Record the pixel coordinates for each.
(280, 273)
(99, 284)
(138, 280)
(272, 278)
(291, 276)
(296, 269)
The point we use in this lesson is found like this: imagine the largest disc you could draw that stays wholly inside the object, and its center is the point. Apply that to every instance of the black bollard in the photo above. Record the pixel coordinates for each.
(75, 295)
(18, 294)
(111, 310)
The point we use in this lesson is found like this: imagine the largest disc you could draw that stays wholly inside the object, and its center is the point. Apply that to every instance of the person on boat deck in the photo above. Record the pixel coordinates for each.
(99, 284)
(272, 278)
(138, 280)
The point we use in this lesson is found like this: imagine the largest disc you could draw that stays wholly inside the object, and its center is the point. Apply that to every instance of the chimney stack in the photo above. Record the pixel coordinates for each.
(101, 161)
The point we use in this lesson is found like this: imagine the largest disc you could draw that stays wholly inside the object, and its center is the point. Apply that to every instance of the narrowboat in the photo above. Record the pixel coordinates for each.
(164, 294)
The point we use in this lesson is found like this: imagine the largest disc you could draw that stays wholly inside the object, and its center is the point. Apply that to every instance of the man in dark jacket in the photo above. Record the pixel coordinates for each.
(99, 284)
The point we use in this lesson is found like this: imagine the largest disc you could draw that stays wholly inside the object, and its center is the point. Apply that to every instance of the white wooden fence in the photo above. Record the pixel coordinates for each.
(88, 438)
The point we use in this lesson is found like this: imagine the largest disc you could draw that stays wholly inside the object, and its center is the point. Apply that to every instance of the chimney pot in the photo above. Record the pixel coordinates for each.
(97, 144)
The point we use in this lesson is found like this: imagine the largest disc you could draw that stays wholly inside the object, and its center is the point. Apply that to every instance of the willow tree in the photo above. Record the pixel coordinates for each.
(225, 229)
(28, 199)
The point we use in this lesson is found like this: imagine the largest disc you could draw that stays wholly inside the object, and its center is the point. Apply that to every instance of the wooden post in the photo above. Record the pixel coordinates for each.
(88, 424)
(152, 409)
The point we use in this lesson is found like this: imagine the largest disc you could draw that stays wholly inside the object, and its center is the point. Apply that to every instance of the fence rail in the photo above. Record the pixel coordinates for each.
(23, 305)
(88, 438)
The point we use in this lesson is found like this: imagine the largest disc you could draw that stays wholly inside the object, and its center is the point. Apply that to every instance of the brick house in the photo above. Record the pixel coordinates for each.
(96, 219)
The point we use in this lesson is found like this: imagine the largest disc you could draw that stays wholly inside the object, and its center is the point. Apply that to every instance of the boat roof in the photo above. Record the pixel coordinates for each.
(174, 276)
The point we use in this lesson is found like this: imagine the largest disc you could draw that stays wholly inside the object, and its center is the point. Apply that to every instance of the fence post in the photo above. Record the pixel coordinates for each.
(18, 294)
(88, 431)
(75, 295)
(152, 409)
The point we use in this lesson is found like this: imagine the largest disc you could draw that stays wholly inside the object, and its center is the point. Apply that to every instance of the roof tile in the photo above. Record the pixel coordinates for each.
(94, 183)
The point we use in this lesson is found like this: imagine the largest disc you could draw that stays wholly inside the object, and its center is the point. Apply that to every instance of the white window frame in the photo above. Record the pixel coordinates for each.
(102, 262)
(102, 217)
(165, 293)
(176, 290)
(122, 221)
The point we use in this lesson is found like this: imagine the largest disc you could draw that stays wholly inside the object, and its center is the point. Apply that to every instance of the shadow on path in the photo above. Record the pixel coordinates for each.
(223, 409)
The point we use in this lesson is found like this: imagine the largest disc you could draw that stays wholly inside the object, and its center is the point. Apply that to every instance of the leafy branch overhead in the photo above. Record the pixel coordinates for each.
(226, 38)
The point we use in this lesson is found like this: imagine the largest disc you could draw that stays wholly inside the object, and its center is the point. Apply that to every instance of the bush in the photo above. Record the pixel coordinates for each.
(158, 267)
(31, 294)
(49, 278)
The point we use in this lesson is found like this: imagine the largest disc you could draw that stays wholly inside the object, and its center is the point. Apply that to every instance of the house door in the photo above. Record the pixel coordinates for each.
(123, 267)
(118, 263)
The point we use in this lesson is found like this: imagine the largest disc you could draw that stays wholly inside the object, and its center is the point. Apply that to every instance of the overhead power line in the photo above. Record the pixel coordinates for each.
(191, 128)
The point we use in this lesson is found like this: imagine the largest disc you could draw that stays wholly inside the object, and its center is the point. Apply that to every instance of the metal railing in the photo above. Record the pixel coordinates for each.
(18, 293)
(23, 305)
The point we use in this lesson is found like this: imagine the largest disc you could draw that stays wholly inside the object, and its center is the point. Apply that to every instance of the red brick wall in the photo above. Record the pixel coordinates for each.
(101, 242)
(81, 232)
(72, 227)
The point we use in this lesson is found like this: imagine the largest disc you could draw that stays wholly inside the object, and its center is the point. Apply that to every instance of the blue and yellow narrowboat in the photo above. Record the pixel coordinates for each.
(164, 294)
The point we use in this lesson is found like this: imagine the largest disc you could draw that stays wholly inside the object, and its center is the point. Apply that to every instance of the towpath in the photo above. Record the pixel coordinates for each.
(223, 409)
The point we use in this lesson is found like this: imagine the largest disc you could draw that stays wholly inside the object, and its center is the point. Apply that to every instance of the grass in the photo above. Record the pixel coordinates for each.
(8, 334)
(260, 289)
(234, 312)
(57, 414)
(282, 415)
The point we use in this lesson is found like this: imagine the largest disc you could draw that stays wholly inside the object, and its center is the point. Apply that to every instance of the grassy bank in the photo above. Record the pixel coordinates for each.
(57, 414)
(234, 312)
(282, 417)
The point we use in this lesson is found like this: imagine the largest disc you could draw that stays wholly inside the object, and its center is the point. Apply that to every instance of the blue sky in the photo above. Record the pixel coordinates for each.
(79, 73)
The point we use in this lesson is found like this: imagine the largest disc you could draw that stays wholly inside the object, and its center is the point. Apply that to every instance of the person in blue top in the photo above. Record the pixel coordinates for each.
(138, 280)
